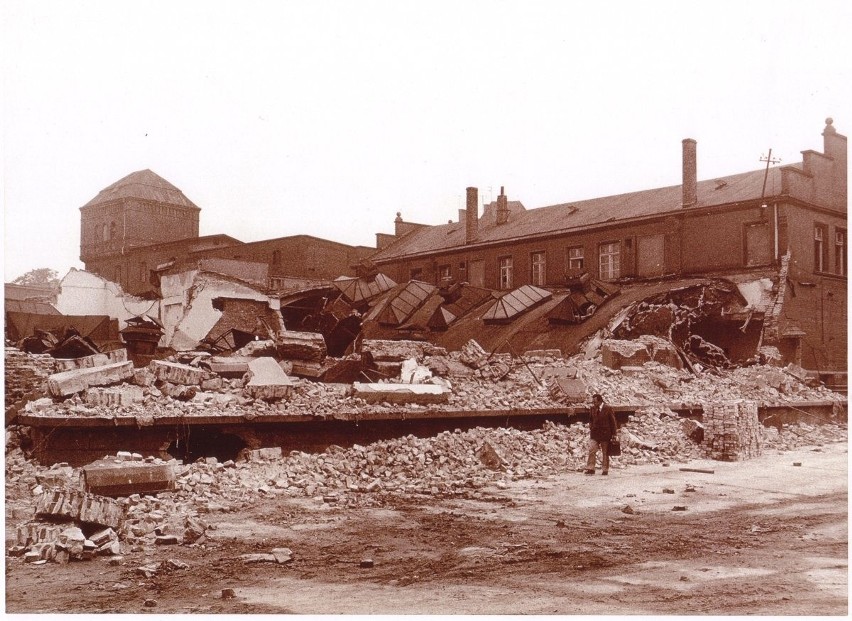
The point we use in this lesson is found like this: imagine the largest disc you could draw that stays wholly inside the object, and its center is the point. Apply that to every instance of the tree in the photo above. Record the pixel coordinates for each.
(40, 276)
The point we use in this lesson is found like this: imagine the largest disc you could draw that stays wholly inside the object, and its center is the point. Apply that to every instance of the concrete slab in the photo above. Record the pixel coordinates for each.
(177, 373)
(77, 380)
(95, 360)
(401, 393)
(110, 477)
(268, 380)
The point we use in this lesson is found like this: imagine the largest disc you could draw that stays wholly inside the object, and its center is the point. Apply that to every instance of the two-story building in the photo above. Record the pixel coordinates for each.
(751, 220)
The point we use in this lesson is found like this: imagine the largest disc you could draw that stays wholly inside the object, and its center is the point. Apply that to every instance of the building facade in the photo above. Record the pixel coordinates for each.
(792, 217)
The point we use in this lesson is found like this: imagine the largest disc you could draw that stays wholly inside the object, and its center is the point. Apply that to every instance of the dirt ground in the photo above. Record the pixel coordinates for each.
(761, 537)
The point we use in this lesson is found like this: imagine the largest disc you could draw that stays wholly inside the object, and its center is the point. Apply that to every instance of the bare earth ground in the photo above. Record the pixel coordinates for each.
(757, 537)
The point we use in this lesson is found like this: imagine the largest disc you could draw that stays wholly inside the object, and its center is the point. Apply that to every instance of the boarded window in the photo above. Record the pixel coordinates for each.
(758, 244)
(476, 273)
(649, 255)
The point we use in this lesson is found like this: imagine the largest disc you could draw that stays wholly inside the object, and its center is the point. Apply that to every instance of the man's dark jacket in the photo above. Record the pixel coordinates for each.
(602, 425)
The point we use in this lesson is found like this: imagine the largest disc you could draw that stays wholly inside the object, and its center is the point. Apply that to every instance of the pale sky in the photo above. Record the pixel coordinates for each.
(326, 118)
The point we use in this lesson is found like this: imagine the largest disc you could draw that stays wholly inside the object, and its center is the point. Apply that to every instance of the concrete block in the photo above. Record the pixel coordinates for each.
(401, 393)
(232, 366)
(107, 478)
(95, 360)
(77, 380)
(143, 377)
(177, 373)
(115, 395)
(568, 389)
(616, 354)
(268, 380)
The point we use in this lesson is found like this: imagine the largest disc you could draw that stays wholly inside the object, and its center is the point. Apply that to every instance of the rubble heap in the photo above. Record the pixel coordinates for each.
(450, 464)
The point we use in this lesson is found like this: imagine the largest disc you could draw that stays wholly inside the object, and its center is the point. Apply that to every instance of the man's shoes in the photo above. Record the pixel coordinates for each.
(604, 473)
(588, 471)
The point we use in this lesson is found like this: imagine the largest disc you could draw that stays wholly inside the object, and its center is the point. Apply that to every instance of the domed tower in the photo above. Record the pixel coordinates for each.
(139, 210)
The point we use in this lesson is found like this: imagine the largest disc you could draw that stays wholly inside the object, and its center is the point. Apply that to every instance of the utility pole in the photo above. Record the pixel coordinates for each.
(769, 160)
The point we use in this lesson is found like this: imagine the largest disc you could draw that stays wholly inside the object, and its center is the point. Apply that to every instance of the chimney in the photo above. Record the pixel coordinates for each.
(471, 216)
(397, 224)
(690, 173)
(502, 208)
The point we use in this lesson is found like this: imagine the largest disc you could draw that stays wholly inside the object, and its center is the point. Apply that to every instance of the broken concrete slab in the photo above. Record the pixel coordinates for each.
(95, 360)
(70, 382)
(491, 457)
(616, 354)
(115, 396)
(110, 477)
(268, 380)
(568, 390)
(396, 351)
(413, 373)
(308, 346)
(231, 367)
(177, 373)
(401, 393)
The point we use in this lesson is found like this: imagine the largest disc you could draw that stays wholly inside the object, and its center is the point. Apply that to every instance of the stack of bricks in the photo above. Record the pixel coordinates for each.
(26, 373)
(732, 431)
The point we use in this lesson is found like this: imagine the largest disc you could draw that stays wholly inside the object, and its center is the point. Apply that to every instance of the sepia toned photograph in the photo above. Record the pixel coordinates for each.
(425, 308)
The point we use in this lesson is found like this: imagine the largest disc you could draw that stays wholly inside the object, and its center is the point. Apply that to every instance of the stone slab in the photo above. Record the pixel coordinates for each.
(268, 380)
(401, 393)
(177, 373)
(95, 360)
(77, 380)
(108, 478)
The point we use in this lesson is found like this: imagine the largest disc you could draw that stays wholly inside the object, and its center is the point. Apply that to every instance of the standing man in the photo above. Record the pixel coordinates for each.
(602, 428)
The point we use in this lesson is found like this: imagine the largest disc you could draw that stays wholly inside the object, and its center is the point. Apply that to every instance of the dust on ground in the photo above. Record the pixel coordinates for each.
(763, 536)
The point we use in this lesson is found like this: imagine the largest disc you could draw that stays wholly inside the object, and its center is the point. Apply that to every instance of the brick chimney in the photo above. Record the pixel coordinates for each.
(690, 173)
(502, 208)
(471, 216)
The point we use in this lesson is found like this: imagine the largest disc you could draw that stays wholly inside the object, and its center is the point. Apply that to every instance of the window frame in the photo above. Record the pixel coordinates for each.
(505, 272)
(820, 247)
(538, 268)
(840, 252)
(570, 260)
(614, 266)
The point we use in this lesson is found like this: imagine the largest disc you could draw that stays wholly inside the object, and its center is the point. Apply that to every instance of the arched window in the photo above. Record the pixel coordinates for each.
(105, 233)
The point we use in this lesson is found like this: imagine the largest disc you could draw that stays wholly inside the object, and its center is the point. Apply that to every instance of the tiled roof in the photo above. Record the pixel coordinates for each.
(144, 185)
(576, 215)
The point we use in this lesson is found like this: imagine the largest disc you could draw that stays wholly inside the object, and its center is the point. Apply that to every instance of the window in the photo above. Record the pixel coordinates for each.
(505, 272)
(416, 273)
(820, 249)
(840, 252)
(538, 268)
(445, 273)
(112, 233)
(105, 233)
(575, 258)
(610, 261)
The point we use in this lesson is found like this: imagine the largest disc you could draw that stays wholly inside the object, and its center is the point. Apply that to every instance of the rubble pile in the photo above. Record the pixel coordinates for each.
(732, 431)
(458, 463)
(469, 379)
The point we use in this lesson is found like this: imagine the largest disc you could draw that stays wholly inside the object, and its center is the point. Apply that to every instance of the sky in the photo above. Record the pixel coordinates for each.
(327, 118)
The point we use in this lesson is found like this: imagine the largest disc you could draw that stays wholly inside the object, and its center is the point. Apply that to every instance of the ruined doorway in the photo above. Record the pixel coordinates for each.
(758, 244)
(205, 442)
(649, 255)
(476, 273)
